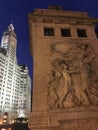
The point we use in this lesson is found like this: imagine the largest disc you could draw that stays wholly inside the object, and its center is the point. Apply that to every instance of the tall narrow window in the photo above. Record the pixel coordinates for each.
(81, 33)
(48, 32)
(65, 33)
(96, 31)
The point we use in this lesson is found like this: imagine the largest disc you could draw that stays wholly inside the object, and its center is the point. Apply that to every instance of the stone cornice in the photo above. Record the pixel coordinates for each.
(62, 19)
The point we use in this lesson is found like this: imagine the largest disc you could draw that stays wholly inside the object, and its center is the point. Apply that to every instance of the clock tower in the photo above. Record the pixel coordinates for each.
(9, 39)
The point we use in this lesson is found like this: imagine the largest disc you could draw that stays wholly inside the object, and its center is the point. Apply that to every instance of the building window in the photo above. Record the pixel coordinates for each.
(81, 33)
(48, 32)
(96, 31)
(65, 33)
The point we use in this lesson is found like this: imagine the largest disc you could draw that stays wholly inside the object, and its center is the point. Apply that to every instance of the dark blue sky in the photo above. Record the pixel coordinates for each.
(17, 10)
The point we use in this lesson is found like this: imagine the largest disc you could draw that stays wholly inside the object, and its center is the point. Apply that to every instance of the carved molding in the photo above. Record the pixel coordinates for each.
(87, 124)
(38, 120)
(62, 19)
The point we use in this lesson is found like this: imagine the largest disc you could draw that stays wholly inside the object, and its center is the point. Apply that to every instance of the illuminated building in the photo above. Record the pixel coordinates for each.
(10, 75)
(2, 70)
(25, 92)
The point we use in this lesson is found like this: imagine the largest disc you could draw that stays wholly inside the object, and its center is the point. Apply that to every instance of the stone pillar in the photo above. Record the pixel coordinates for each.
(65, 76)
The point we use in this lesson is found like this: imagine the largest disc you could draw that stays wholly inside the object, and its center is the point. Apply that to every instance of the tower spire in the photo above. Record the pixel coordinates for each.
(11, 27)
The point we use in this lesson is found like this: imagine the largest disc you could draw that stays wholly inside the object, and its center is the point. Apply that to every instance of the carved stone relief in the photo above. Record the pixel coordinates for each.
(73, 79)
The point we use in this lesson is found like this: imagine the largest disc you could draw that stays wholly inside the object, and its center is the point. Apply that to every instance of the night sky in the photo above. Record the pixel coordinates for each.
(17, 11)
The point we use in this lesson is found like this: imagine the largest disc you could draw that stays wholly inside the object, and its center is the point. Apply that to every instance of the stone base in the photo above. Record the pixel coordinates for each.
(73, 119)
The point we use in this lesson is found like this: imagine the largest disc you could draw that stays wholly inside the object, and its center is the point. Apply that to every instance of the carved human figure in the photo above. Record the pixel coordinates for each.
(65, 84)
(81, 91)
(52, 95)
(80, 74)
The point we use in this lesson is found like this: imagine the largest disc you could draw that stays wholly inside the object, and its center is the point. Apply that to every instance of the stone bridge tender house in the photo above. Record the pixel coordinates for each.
(65, 82)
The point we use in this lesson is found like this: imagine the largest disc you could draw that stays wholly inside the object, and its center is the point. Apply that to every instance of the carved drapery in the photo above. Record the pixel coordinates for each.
(73, 80)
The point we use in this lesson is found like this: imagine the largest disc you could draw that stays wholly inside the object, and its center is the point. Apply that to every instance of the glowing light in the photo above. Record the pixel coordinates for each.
(9, 129)
(1, 122)
(5, 116)
(13, 121)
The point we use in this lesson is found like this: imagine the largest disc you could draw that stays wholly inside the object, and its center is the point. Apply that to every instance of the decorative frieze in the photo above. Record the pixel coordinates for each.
(62, 19)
